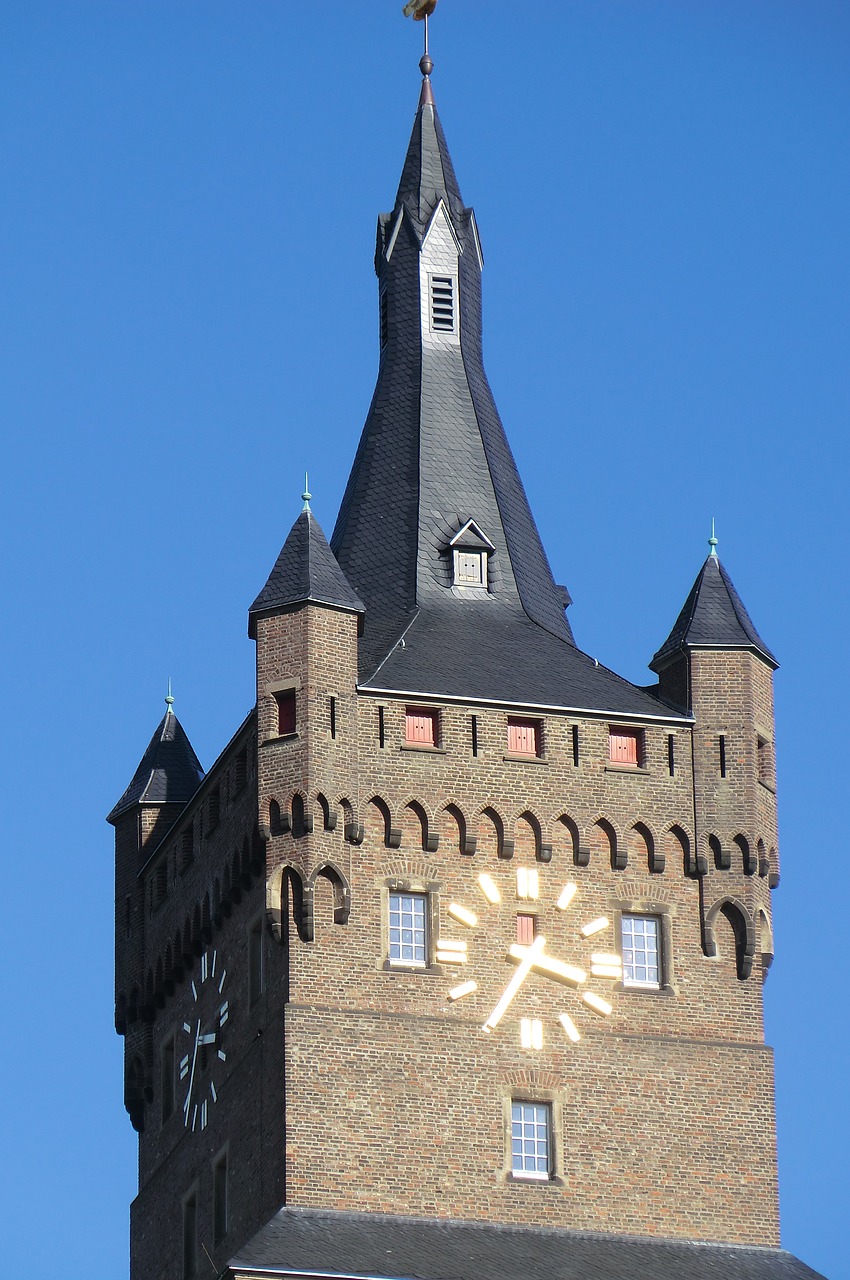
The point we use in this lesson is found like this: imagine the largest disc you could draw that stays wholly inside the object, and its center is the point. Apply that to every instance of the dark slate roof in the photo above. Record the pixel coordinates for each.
(481, 648)
(434, 455)
(304, 571)
(713, 616)
(328, 1243)
(168, 772)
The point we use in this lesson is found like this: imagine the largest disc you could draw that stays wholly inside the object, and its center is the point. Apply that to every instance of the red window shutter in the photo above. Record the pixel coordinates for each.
(420, 727)
(623, 746)
(526, 930)
(286, 711)
(522, 737)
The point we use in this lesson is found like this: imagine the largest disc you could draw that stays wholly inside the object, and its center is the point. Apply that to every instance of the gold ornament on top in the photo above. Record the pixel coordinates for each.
(419, 9)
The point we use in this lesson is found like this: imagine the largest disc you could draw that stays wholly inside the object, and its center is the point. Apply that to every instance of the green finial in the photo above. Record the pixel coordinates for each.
(306, 495)
(712, 542)
(169, 699)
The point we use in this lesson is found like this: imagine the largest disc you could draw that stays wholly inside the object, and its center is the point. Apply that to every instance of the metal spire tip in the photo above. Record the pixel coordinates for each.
(712, 542)
(169, 699)
(306, 495)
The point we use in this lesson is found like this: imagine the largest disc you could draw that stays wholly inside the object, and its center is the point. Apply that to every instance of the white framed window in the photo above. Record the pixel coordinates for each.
(640, 938)
(408, 929)
(531, 1140)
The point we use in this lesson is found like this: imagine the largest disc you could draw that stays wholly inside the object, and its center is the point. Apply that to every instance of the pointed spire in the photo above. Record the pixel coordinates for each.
(712, 617)
(168, 773)
(306, 495)
(304, 572)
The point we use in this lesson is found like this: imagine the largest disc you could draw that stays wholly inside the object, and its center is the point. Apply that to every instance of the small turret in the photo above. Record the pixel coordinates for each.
(715, 663)
(305, 622)
(166, 778)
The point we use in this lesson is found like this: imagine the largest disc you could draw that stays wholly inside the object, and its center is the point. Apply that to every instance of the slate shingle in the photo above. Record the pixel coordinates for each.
(328, 1243)
(713, 615)
(434, 454)
(304, 570)
(168, 773)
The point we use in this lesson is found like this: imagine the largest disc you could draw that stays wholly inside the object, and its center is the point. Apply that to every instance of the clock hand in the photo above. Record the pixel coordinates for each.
(210, 1038)
(525, 966)
(191, 1075)
(549, 965)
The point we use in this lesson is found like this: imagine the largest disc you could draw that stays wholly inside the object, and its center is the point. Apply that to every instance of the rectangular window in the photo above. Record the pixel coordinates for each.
(240, 771)
(765, 760)
(214, 808)
(190, 1236)
(443, 304)
(526, 929)
(531, 1140)
(575, 746)
(625, 746)
(166, 1078)
(382, 734)
(473, 727)
(285, 711)
(256, 962)
(220, 1199)
(721, 749)
(187, 846)
(523, 737)
(671, 755)
(408, 932)
(641, 952)
(421, 726)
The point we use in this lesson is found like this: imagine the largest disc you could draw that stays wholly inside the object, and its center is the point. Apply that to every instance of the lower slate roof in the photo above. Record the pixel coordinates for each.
(168, 773)
(482, 649)
(324, 1243)
(713, 616)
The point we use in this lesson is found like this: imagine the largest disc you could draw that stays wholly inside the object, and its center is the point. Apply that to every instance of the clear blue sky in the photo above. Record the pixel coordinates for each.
(189, 320)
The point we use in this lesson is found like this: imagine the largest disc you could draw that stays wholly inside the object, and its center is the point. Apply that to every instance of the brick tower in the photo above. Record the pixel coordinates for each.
(451, 965)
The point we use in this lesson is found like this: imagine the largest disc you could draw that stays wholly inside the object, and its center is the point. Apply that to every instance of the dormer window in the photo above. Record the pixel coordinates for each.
(471, 552)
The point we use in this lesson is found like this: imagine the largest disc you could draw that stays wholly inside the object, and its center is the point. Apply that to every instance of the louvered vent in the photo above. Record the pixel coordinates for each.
(443, 304)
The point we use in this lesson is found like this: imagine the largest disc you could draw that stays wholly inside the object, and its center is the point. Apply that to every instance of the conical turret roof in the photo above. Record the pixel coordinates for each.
(168, 773)
(305, 571)
(712, 617)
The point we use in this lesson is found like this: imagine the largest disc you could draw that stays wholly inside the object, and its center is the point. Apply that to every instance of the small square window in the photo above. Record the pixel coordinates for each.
(523, 737)
(408, 929)
(625, 746)
(285, 711)
(640, 937)
(531, 1140)
(421, 727)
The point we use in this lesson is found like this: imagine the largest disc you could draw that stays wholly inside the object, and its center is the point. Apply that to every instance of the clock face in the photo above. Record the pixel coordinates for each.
(203, 1040)
(546, 947)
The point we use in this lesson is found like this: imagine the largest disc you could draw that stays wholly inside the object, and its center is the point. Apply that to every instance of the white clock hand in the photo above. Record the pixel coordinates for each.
(209, 1038)
(191, 1075)
(525, 966)
(550, 966)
